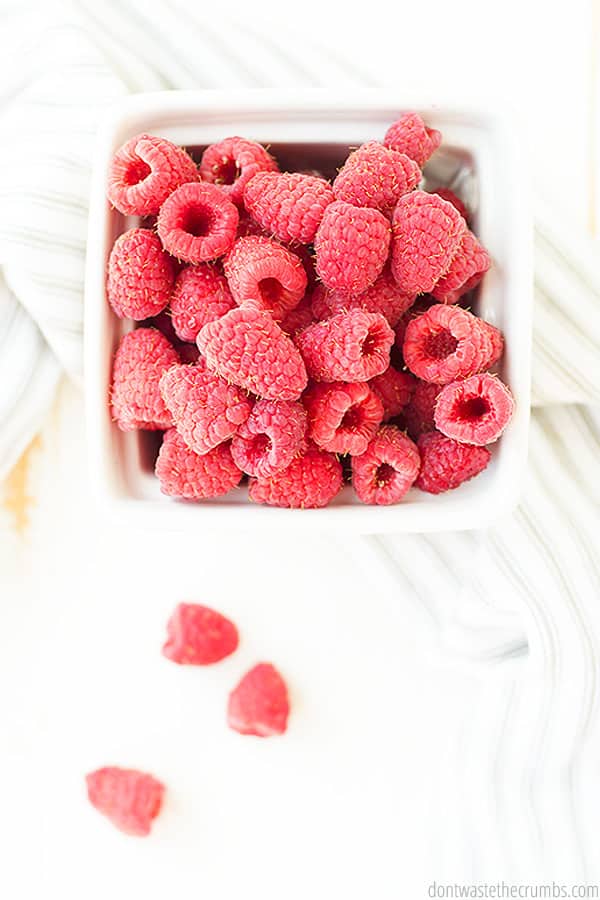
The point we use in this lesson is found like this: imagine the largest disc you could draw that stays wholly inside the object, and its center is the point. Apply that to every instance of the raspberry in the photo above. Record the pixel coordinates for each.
(352, 246)
(474, 411)
(300, 317)
(421, 305)
(418, 414)
(466, 270)
(200, 295)
(143, 173)
(394, 389)
(445, 463)
(309, 482)
(183, 473)
(350, 346)
(130, 799)
(377, 177)
(259, 705)
(197, 223)
(199, 636)
(247, 347)
(384, 296)
(342, 418)
(385, 471)
(140, 275)
(289, 206)
(410, 135)
(427, 232)
(451, 197)
(272, 437)
(497, 339)
(264, 272)
(247, 226)
(231, 164)
(206, 410)
(446, 343)
(141, 358)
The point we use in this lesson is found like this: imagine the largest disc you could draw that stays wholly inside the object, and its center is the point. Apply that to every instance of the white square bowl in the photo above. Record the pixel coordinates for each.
(314, 129)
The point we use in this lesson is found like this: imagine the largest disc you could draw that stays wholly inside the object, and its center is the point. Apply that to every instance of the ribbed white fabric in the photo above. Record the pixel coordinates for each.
(516, 604)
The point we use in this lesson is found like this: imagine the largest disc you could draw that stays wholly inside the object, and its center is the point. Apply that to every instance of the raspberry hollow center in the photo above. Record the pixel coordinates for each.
(260, 447)
(371, 342)
(137, 171)
(440, 345)
(198, 221)
(352, 419)
(384, 474)
(227, 172)
(271, 291)
(472, 408)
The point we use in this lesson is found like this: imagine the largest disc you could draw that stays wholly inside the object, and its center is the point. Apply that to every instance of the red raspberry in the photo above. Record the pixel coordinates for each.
(140, 275)
(474, 411)
(143, 173)
(342, 418)
(421, 305)
(197, 223)
(385, 471)
(130, 799)
(200, 295)
(231, 164)
(272, 437)
(259, 705)
(199, 636)
(466, 270)
(263, 272)
(497, 339)
(410, 135)
(384, 296)
(350, 346)
(206, 410)
(141, 358)
(247, 226)
(289, 206)
(394, 389)
(377, 177)
(451, 197)
(418, 414)
(427, 232)
(183, 473)
(247, 347)
(445, 463)
(352, 246)
(446, 343)
(309, 482)
(299, 317)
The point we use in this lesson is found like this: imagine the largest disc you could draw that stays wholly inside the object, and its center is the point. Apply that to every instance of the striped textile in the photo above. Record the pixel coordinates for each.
(515, 605)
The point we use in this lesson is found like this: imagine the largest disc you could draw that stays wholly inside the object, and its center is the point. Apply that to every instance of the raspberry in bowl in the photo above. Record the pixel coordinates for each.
(312, 282)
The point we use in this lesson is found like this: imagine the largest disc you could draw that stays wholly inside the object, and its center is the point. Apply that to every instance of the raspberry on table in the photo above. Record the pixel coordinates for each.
(410, 135)
(350, 346)
(394, 389)
(272, 436)
(206, 410)
(446, 464)
(200, 295)
(446, 343)
(259, 705)
(130, 799)
(290, 205)
(446, 194)
(183, 473)
(144, 171)
(263, 272)
(376, 176)
(342, 417)
(199, 636)
(141, 358)
(468, 267)
(231, 164)
(351, 247)
(418, 414)
(311, 481)
(427, 232)
(197, 223)
(383, 474)
(246, 347)
(384, 296)
(140, 275)
(474, 411)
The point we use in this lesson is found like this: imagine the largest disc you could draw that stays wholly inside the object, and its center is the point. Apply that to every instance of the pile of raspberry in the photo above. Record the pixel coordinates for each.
(297, 333)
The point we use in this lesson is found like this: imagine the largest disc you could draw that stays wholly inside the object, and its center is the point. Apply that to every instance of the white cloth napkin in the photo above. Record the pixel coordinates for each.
(516, 603)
